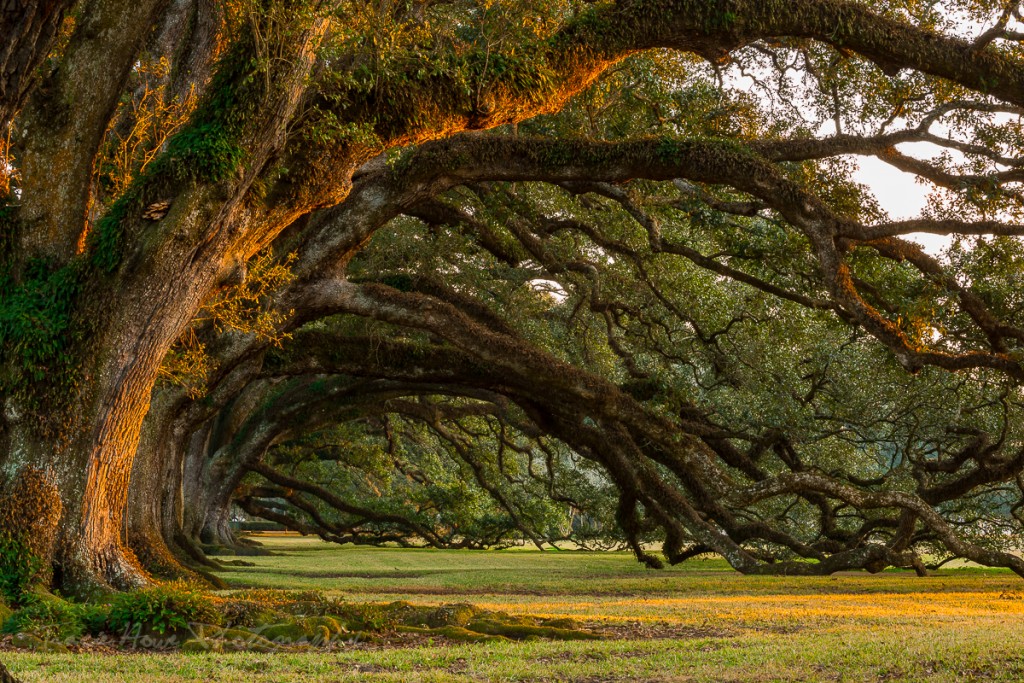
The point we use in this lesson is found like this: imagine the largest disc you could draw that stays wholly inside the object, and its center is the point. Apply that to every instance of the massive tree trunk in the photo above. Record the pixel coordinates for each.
(171, 484)
(155, 481)
(211, 472)
(88, 437)
(225, 449)
(91, 467)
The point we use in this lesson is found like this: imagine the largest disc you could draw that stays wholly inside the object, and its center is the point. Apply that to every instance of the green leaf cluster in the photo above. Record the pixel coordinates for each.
(162, 609)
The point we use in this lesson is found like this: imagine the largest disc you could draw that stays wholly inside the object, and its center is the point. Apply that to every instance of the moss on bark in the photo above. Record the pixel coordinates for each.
(30, 510)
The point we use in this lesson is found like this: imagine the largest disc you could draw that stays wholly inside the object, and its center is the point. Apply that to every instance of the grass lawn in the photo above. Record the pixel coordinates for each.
(697, 622)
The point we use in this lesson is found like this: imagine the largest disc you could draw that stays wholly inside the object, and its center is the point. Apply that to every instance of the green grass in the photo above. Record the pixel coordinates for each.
(697, 622)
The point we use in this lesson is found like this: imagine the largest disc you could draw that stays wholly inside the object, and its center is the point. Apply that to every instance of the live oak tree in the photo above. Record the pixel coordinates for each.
(814, 402)
(165, 144)
(987, 505)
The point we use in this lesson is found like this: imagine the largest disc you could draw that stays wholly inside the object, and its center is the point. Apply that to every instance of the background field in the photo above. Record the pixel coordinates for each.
(697, 622)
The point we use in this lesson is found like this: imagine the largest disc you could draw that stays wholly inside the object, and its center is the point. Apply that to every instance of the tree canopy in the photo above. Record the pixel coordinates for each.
(465, 272)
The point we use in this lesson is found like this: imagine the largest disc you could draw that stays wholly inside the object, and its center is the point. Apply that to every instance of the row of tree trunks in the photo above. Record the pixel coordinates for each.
(615, 426)
(155, 475)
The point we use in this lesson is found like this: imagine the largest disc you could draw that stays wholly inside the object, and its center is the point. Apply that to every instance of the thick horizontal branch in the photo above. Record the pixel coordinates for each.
(937, 227)
(804, 481)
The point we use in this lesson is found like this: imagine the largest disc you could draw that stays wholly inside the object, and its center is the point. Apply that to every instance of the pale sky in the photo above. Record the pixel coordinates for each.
(901, 195)
(898, 192)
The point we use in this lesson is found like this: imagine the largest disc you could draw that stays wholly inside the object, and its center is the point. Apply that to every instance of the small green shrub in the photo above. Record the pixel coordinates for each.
(308, 604)
(5, 612)
(95, 618)
(249, 613)
(297, 603)
(47, 617)
(19, 570)
(377, 617)
(162, 609)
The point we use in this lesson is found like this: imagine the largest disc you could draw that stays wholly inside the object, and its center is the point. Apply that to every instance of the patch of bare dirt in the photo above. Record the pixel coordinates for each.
(658, 630)
(397, 574)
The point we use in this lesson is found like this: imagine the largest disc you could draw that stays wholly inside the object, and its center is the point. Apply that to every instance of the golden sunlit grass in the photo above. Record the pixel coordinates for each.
(779, 608)
(696, 622)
